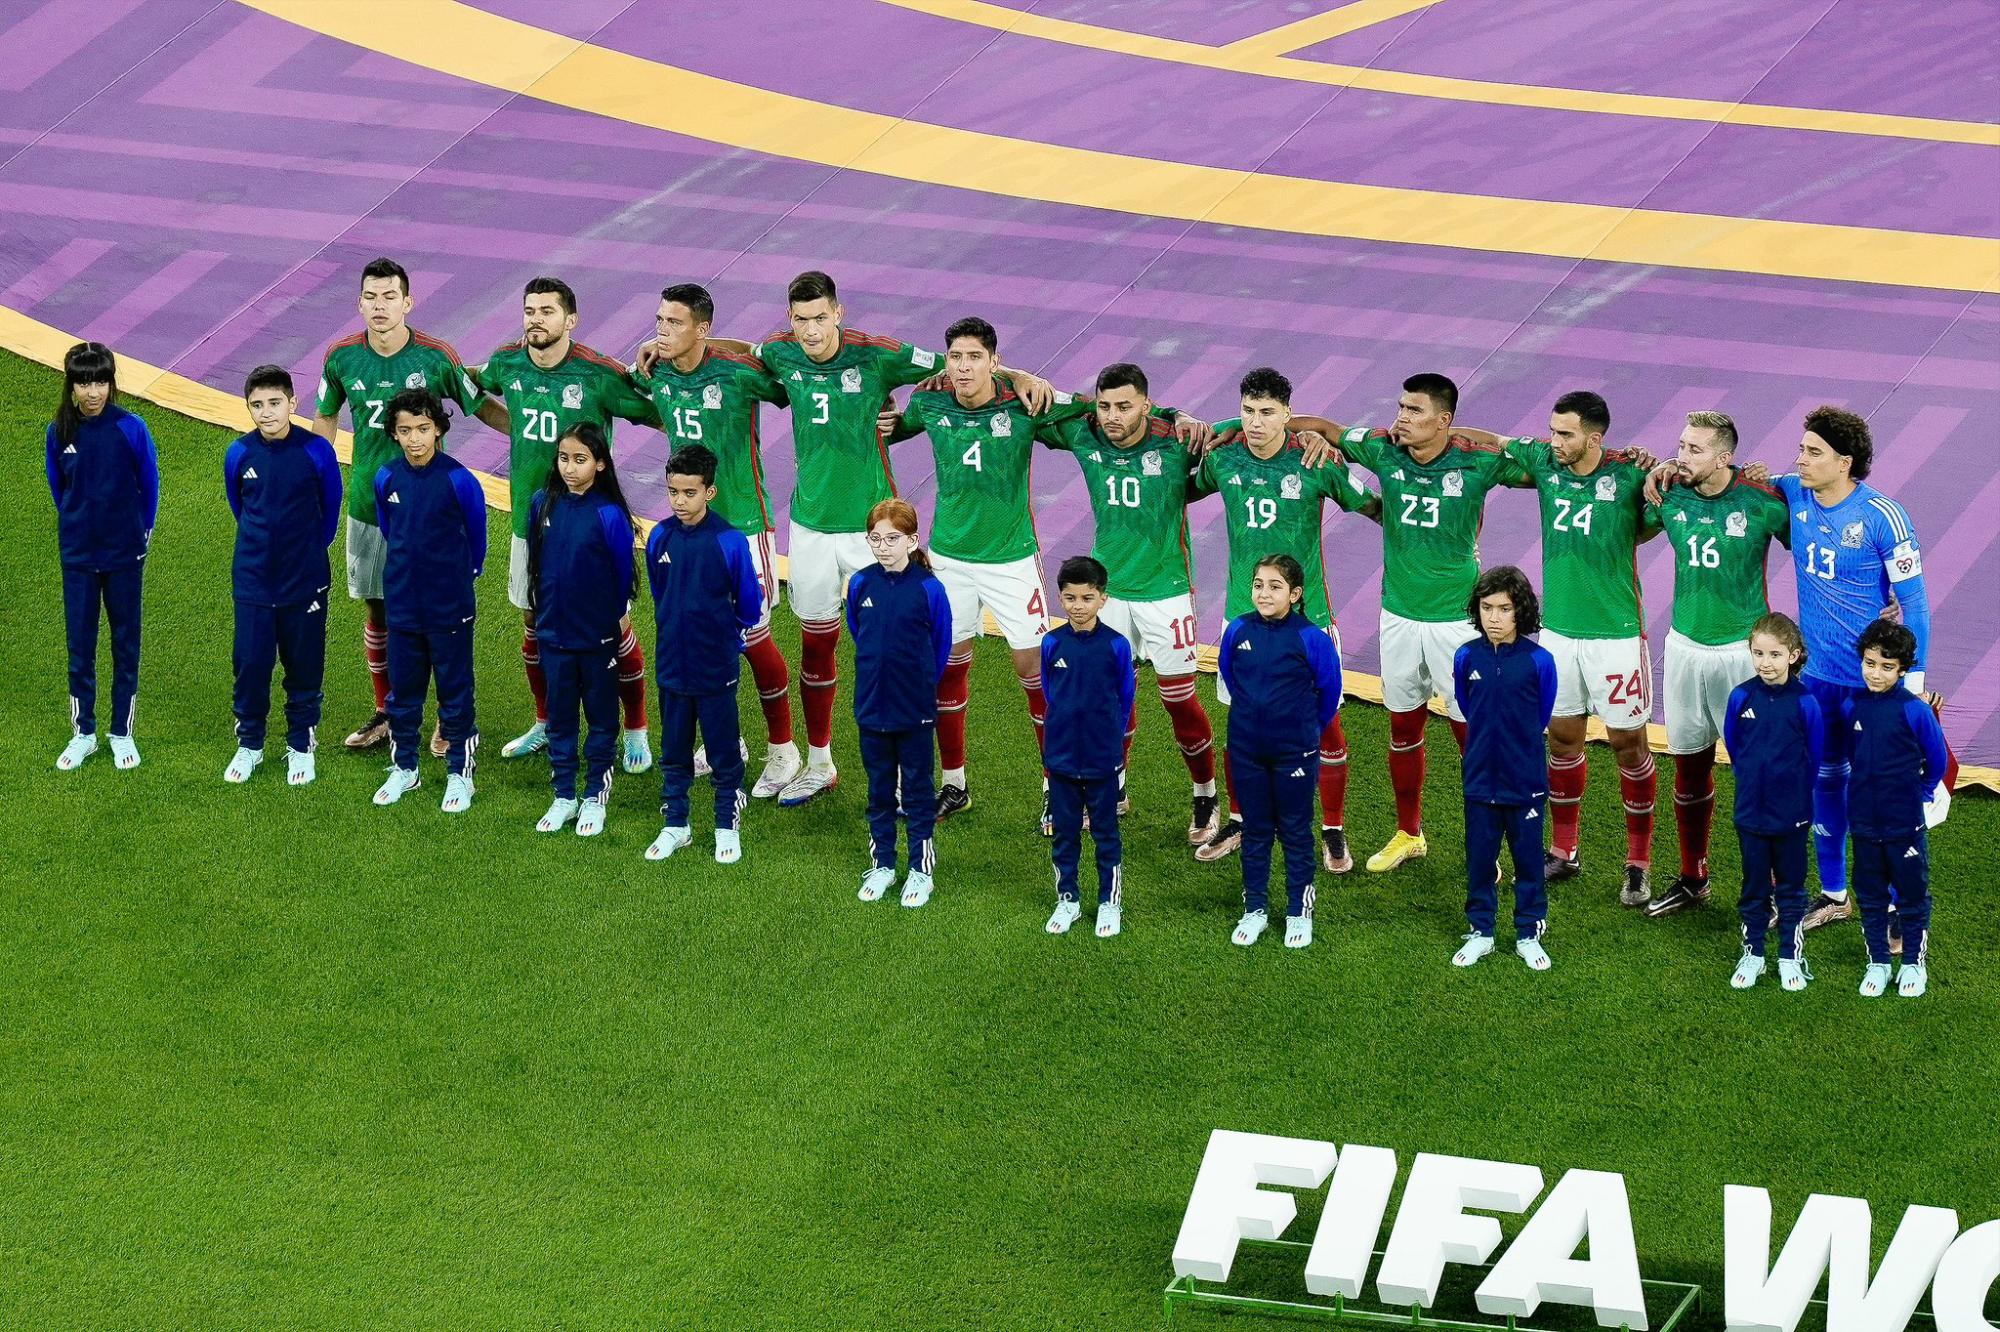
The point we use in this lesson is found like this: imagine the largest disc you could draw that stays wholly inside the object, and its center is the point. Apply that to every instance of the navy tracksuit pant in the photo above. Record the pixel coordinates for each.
(118, 592)
(1774, 866)
(265, 636)
(415, 659)
(714, 715)
(1276, 795)
(889, 756)
(1070, 798)
(1894, 871)
(1520, 827)
(590, 680)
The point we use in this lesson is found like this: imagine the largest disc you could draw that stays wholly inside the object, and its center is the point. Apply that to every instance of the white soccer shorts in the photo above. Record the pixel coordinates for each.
(517, 573)
(1700, 679)
(1612, 677)
(1417, 657)
(821, 564)
(1162, 632)
(1012, 591)
(764, 559)
(367, 552)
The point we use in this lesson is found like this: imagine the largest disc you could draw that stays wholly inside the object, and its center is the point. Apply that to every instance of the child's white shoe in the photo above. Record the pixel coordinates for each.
(1748, 968)
(1912, 980)
(590, 818)
(638, 749)
(1875, 980)
(457, 794)
(1532, 952)
(728, 846)
(242, 764)
(671, 839)
(401, 781)
(1110, 919)
(79, 748)
(1475, 947)
(917, 887)
(561, 810)
(1298, 931)
(1250, 928)
(124, 754)
(1068, 911)
(1792, 973)
(300, 767)
(876, 882)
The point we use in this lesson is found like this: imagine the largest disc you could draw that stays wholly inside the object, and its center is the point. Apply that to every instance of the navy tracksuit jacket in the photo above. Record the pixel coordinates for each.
(705, 594)
(901, 624)
(1898, 754)
(434, 525)
(1088, 681)
(580, 547)
(1774, 737)
(1508, 694)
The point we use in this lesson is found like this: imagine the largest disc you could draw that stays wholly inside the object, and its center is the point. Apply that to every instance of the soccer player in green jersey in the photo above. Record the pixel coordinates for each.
(550, 382)
(363, 371)
(1272, 504)
(1720, 525)
(708, 393)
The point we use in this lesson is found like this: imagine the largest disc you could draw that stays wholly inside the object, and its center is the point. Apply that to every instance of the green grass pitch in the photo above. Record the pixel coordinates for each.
(275, 1057)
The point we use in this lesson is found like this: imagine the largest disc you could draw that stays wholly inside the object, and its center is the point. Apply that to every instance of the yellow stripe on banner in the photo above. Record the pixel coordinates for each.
(1337, 22)
(473, 44)
(1273, 66)
(29, 337)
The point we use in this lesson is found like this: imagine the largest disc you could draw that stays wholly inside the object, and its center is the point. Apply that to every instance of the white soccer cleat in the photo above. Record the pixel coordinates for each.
(124, 754)
(531, 741)
(79, 748)
(917, 887)
(590, 818)
(1110, 919)
(245, 762)
(561, 810)
(401, 781)
(1250, 928)
(670, 840)
(876, 882)
(1792, 974)
(1298, 931)
(1912, 980)
(728, 846)
(457, 794)
(637, 749)
(780, 767)
(1475, 947)
(1532, 952)
(1874, 980)
(1748, 970)
(813, 781)
(300, 767)
(1068, 911)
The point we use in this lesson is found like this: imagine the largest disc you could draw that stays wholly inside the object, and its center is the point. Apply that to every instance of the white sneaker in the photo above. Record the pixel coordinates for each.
(812, 782)
(916, 888)
(1110, 919)
(1875, 980)
(1792, 974)
(245, 762)
(79, 748)
(638, 749)
(728, 846)
(124, 754)
(1748, 969)
(1068, 911)
(561, 810)
(670, 840)
(1912, 980)
(1250, 928)
(876, 882)
(300, 767)
(1532, 952)
(780, 767)
(590, 818)
(457, 794)
(1475, 947)
(531, 741)
(401, 781)
(1298, 931)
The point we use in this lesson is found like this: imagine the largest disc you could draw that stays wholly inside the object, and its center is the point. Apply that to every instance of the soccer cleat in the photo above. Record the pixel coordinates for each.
(561, 810)
(1475, 947)
(1874, 980)
(79, 748)
(671, 839)
(703, 768)
(457, 794)
(1110, 919)
(400, 782)
(1124, 806)
(1532, 952)
(1556, 868)
(439, 745)
(952, 799)
(242, 765)
(917, 887)
(1403, 846)
(1912, 980)
(1201, 821)
(1637, 890)
(1793, 973)
(728, 846)
(1250, 928)
(1825, 910)
(638, 750)
(1048, 823)
(1298, 931)
(814, 780)
(1748, 968)
(1068, 911)
(1687, 893)
(373, 732)
(1333, 851)
(1895, 932)
(1227, 838)
(124, 754)
(780, 766)
(876, 882)
(590, 818)
(531, 741)
(300, 767)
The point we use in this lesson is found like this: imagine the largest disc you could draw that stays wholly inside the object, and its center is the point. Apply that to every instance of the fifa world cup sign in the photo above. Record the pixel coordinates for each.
(1438, 1223)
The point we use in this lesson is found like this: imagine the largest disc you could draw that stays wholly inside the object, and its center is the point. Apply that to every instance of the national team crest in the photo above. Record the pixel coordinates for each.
(1288, 487)
(572, 398)
(416, 379)
(1853, 536)
(1736, 525)
(850, 380)
(1607, 487)
(711, 395)
(1003, 425)
(1454, 484)
(1149, 463)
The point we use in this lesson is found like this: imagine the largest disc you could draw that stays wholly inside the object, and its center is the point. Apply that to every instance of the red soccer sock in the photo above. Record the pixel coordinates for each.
(1038, 705)
(818, 678)
(1192, 733)
(1229, 786)
(375, 651)
(1566, 782)
(538, 683)
(1694, 809)
(1457, 732)
(1333, 775)
(631, 682)
(1406, 768)
(1131, 729)
(954, 689)
(774, 683)
(1639, 787)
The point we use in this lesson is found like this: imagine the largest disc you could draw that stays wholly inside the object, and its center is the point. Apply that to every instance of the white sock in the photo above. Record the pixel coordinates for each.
(1840, 896)
(819, 756)
(788, 749)
(954, 777)
(1206, 788)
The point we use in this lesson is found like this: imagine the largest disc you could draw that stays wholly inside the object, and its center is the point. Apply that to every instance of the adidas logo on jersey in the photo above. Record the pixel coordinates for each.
(666, 557)
(360, 387)
(70, 449)
(1534, 814)
(515, 386)
(312, 608)
(1243, 647)
(1857, 726)
(1910, 854)
(1800, 515)
(249, 474)
(1399, 474)
(1061, 665)
(867, 603)
(1298, 772)
(1749, 714)
(1473, 676)
(395, 499)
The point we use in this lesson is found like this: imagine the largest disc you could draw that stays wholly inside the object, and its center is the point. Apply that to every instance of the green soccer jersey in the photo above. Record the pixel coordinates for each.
(1273, 506)
(983, 455)
(1590, 541)
(842, 466)
(584, 386)
(715, 404)
(354, 374)
(1138, 495)
(1720, 542)
(1431, 514)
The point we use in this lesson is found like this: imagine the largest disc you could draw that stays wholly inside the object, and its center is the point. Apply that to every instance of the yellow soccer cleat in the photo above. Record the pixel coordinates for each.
(1403, 846)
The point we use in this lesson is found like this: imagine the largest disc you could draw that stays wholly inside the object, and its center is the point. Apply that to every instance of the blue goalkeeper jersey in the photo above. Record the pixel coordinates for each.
(1850, 557)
